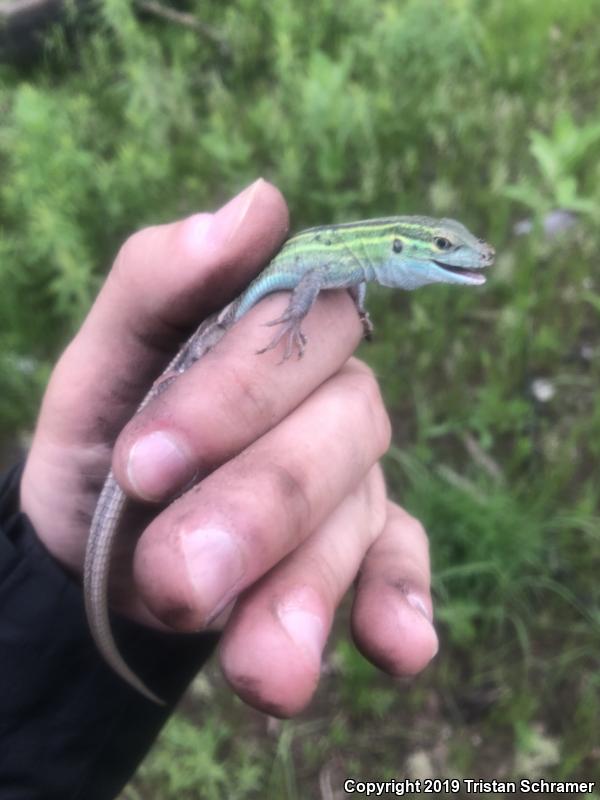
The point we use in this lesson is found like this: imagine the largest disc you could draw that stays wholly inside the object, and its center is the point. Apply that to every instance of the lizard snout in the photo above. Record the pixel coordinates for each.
(488, 254)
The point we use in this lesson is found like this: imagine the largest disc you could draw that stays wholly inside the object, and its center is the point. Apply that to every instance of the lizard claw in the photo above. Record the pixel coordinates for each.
(367, 326)
(295, 338)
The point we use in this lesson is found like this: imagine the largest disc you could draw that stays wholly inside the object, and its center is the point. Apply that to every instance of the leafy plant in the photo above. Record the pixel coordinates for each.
(190, 764)
(560, 157)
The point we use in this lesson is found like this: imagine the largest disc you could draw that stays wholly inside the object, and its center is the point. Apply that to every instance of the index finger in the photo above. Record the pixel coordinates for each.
(164, 281)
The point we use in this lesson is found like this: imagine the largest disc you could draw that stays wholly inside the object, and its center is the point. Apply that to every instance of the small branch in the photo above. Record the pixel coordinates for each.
(183, 19)
(9, 8)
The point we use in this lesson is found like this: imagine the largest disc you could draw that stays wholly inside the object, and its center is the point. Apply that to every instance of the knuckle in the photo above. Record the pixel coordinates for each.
(412, 528)
(325, 575)
(275, 511)
(291, 495)
(409, 522)
(253, 523)
(372, 505)
(384, 430)
(245, 398)
(357, 367)
(415, 529)
(133, 245)
(377, 500)
(366, 396)
(292, 489)
(131, 252)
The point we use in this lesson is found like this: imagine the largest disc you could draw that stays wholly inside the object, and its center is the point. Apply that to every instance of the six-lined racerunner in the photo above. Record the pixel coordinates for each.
(400, 252)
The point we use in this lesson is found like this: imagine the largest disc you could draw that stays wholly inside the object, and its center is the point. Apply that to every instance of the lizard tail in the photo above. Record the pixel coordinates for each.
(95, 581)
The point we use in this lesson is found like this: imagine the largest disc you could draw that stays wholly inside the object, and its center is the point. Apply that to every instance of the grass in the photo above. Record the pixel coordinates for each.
(482, 111)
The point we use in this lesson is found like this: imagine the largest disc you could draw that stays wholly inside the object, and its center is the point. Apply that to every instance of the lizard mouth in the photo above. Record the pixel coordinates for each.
(468, 275)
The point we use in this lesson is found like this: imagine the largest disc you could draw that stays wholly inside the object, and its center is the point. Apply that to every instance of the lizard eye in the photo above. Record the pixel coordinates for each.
(397, 245)
(442, 243)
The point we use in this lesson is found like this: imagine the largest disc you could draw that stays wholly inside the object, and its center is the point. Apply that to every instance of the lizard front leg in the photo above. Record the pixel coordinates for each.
(301, 301)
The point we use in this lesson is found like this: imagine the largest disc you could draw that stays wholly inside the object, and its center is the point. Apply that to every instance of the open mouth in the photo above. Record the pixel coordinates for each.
(470, 275)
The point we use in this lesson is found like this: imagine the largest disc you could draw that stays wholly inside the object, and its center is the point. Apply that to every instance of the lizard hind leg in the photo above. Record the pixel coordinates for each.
(301, 301)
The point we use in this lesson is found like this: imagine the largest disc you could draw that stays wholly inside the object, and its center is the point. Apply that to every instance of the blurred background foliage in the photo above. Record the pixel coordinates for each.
(483, 111)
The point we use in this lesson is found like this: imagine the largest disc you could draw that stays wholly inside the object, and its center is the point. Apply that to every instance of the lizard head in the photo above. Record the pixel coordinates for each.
(427, 250)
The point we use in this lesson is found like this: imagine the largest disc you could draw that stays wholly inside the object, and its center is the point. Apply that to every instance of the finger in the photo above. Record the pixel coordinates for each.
(230, 398)
(224, 534)
(272, 646)
(164, 280)
(392, 613)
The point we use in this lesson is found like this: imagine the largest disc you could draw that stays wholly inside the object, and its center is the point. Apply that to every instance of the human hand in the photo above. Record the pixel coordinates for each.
(290, 503)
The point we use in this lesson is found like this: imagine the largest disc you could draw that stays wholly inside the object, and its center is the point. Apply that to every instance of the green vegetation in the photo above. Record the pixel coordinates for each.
(484, 111)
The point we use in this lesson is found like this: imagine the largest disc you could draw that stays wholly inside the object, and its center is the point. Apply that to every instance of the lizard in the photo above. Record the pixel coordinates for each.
(404, 252)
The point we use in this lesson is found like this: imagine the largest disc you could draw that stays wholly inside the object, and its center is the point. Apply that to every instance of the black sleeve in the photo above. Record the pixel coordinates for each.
(69, 727)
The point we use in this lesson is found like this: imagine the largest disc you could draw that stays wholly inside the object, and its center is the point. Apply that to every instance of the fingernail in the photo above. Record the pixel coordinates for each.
(304, 628)
(158, 465)
(419, 605)
(215, 568)
(226, 222)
